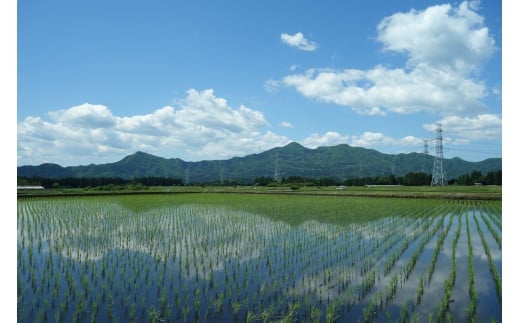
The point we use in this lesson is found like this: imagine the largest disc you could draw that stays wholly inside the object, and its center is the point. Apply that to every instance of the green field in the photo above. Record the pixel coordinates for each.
(449, 192)
(316, 256)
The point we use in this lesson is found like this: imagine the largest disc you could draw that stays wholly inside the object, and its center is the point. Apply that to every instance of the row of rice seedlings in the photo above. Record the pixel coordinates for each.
(382, 297)
(410, 265)
(328, 278)
(104, 266)
(415, 227)
(370, 249)
(495, 211)
(389, 292)
(276, 260)
(394, 256)
(373, 247)
(497, 236)
(371, 256)
(391, 259)
(443, 308)
(472, 311)
(49, 271)
(426, 277)
(325, 281)
(407, 236)
(492, 268)
(438, 247)
(343, 282)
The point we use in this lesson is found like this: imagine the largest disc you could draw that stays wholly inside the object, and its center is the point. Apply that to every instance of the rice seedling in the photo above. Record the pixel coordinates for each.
(420, 290)
(443, 307)
(316, 314)
(472, 313)
(268, 313)
(403, 314)
(331, 314)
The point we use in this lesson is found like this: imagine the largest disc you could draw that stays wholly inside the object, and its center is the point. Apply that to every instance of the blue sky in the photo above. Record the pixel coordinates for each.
(99, 80)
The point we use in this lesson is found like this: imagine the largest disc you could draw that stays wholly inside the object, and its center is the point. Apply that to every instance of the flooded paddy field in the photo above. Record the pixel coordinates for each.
(258, 258)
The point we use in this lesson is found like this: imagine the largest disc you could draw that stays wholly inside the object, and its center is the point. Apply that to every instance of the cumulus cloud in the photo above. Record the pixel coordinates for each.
(467, 129)
(445, 45)
(377, 139)
(441, 36)
(202, 127)
(85, 115)
(330, 138)
(298, 41)
(381, 90)
(373, 140)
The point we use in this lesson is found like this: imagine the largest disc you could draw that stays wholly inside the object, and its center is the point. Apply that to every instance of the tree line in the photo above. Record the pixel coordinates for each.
(100, 182)
(410, 179)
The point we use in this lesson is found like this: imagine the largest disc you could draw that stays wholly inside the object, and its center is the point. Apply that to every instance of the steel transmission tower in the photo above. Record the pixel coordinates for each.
(221, 173)
(438, 176)
(276, 174)
(425, 152)
(187, 174)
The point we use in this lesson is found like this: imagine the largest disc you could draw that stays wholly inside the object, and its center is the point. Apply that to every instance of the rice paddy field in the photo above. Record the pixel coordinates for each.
(258, 258)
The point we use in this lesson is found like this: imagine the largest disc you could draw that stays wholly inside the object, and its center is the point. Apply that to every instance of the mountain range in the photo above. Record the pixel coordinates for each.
(339, 162)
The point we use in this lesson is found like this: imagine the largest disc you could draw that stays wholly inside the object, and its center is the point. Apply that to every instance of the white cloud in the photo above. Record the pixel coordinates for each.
(371, 140)
(203, 127)
(381, 90)
(298, 41)
(379, 140)
(444, 45)
(285, 124)
(441, 36)
(85, 115)
(330, 138)
(467, 129)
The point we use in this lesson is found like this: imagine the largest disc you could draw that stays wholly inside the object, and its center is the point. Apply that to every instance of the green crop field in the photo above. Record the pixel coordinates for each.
(217, 257)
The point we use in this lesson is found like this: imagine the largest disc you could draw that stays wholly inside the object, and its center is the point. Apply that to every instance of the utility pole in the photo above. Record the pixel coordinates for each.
(438, 176)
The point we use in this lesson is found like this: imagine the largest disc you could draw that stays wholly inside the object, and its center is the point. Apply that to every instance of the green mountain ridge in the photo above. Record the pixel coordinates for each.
(340, 162)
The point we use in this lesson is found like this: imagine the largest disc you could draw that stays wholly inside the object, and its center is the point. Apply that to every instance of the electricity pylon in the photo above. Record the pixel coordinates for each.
(438, 175)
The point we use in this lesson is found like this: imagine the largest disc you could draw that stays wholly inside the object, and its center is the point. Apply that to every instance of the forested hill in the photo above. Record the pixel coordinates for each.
(339, 162)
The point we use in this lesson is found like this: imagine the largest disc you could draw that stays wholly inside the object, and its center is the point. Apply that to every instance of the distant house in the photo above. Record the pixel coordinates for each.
(39, 187)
